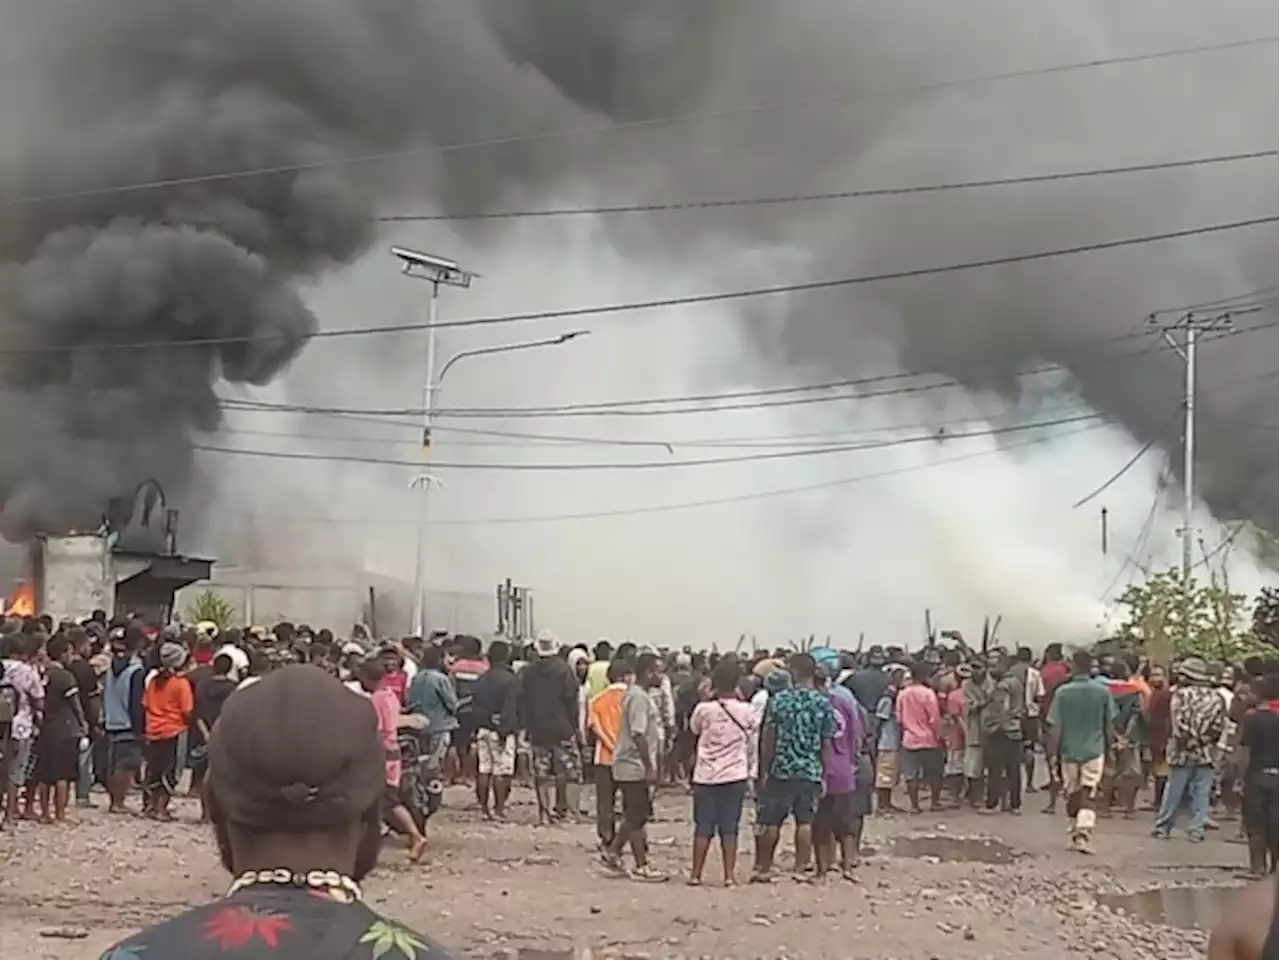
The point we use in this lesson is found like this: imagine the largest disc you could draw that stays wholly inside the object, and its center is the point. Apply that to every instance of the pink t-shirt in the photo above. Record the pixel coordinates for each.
(919, 717)
(387, 707)
(726, 732)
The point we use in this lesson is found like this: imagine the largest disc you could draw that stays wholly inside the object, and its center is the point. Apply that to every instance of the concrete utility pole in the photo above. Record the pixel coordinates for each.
(1191, 324)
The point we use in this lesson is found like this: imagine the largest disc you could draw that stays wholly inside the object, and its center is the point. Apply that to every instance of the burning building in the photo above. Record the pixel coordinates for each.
(129, 565)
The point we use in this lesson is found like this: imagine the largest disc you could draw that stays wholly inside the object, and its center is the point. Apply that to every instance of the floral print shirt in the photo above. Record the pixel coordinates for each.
(265, 921)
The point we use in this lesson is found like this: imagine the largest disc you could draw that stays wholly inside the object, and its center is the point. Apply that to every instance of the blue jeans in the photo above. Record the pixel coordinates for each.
(1195, 782)
(717, 808)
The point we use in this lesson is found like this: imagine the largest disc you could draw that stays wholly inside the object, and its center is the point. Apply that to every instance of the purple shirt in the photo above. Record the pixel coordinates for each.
(840, 753)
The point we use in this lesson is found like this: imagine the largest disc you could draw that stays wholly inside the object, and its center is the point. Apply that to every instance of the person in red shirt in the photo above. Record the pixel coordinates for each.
(393, 676)
(1053, 673)
(951, 700)
(920, 719)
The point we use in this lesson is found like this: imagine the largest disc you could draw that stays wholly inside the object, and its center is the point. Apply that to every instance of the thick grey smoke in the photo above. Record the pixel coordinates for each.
(980, 328)
(94, 94)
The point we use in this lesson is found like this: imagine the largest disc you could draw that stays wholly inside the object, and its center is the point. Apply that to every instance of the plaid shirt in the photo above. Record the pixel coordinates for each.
(1197, 718)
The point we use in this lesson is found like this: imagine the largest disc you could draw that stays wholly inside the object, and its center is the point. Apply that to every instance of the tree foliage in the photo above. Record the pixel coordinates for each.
(211, 606)
(1169, 618)
(1266, 617)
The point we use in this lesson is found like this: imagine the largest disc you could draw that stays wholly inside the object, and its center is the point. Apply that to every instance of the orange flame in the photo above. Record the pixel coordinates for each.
(23, 603)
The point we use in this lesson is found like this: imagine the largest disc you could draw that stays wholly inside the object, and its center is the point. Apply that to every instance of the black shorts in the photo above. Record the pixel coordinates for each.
(788, 798)
(391, 798)
(637, 803)
(465, 736)
(865, 777)
(57, 761)
(161, 757)
(124, 753)
(1258, 805)
(923, 766)
(836, 817)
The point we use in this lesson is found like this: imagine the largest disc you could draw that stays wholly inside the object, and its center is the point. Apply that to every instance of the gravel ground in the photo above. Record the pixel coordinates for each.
(531, 893)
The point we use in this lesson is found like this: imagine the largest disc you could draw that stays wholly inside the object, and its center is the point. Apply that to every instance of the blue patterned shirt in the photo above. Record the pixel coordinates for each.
(802, 720)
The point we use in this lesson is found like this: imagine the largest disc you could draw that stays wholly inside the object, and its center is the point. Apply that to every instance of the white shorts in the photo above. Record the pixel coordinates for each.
(1082, 776)
(495, 754)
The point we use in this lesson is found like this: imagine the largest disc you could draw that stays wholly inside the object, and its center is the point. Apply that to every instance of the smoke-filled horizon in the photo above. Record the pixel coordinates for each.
(95, 95)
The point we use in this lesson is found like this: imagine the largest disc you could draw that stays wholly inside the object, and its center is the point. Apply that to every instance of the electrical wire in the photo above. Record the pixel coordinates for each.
(1221, 301)
(859, 194)
(650, 464)
(1128, 465)
(1142, 451)
(714, 501)
(616, 127)
(535, 441)
(808, 286)
(1223, 544)
(769, 397)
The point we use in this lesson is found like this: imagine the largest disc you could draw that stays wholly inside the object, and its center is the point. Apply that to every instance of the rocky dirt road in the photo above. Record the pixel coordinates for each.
(956, 886)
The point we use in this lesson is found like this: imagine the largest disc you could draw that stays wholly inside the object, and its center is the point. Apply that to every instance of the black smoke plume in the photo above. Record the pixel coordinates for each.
(94, 94)
(100, 95)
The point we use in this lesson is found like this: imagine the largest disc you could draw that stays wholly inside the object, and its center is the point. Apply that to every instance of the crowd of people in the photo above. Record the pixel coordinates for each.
(820, 739)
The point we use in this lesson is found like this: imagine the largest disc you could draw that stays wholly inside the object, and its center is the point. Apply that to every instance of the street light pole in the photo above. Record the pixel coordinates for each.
(436, 271)
(431, 391)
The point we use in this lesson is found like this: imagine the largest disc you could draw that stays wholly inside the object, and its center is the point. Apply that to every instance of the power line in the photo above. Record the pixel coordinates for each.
(682, 301)
(1142, 451)
(172, 182)
(767, 397)
(1128, 465)
(1223, 544)
(724, 501)
(535, 441)
(1267, 293)
(651, 464)
(827, 195)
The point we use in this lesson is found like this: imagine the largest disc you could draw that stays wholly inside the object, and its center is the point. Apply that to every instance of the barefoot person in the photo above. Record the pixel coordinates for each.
(386, 708)
(797, 723)
(496, 712)
(57, 764)
(168, 702)
(296, 816)
(725, 731)
(1259, 734)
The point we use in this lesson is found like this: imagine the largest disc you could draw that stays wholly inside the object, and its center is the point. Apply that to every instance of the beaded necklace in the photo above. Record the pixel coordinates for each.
(324, 882)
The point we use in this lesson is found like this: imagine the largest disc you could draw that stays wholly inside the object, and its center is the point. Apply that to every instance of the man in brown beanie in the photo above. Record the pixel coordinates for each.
(295, 783)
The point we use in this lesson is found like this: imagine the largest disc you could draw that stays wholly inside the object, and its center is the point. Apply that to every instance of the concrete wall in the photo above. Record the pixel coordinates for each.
(337, 599)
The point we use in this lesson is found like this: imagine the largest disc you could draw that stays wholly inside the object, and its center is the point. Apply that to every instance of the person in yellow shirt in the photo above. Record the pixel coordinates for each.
(598, 671)
(604, 721)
